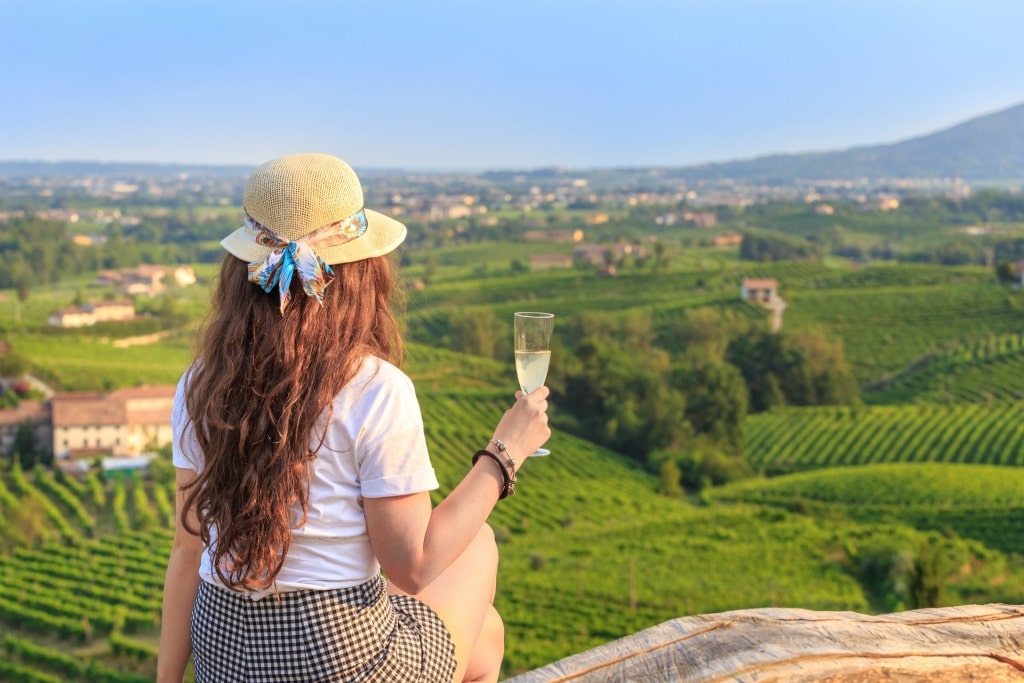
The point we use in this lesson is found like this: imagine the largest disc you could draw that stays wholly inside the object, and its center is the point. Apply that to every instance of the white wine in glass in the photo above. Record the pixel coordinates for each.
(532, 333)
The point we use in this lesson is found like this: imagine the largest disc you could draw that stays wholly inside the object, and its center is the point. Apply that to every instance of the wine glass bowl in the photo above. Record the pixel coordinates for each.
(532, 335)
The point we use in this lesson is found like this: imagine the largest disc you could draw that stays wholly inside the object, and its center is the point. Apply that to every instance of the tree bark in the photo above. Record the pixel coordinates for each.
(968, 643)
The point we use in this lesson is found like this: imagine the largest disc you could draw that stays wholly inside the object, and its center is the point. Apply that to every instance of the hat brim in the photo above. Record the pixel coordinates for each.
(383, 235)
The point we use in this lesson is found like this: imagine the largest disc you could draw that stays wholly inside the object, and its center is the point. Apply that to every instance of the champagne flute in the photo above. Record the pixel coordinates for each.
(532, 332)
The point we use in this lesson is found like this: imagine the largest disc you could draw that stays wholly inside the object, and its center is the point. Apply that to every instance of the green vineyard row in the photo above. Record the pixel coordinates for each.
(986, 369)
(809, 438)
(588, 552)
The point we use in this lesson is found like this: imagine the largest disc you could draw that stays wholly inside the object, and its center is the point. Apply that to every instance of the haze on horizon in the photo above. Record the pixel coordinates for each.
(458, 84)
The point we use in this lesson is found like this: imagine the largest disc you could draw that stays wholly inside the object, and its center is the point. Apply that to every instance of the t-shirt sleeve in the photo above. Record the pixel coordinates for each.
(185, 451)
(391, 449)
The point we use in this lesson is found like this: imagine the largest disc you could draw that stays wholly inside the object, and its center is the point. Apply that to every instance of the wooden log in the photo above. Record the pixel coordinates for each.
(772, 645)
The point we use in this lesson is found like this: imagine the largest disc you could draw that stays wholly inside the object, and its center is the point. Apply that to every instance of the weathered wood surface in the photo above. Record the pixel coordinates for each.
(983, 643)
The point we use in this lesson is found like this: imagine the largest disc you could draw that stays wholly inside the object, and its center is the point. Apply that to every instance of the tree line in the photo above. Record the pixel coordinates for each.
(41, 252)
(674, 396)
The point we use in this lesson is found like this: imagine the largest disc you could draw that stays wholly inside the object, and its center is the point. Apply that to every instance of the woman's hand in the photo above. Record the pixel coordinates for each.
(524, 427)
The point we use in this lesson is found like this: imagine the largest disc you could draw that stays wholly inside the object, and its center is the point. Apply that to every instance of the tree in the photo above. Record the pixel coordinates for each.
(760, 358)
(618, 396)
(716, 402)
(24, 451)
(820, 374)
(807, 369)
(1006, 272)
(758, 246)
(926, 584)
(670, 478)
(703, 463)
(429, 269)
(660, 257)
(702, 333)
(475, 332)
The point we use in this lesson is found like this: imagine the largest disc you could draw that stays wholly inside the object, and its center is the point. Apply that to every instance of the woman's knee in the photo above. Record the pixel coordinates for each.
(485, 545)
(483, 552)
(484, 663)
(494, 627)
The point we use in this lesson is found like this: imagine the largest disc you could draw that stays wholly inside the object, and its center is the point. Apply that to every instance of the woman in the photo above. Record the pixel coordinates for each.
(303, 472)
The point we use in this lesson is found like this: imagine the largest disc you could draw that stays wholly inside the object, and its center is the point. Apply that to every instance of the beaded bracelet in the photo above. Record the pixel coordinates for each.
(508, 486)
(500, 445)
(510, 463)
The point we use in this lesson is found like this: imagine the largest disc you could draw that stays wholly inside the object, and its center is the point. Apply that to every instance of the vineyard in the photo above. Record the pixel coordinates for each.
(988, 369)
(589, 553)
(981, 502)
(934, 458)
(809, 438)
(80, 588)
(891, 327)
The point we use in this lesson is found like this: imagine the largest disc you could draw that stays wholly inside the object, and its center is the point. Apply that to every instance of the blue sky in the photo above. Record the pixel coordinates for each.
(461, 84)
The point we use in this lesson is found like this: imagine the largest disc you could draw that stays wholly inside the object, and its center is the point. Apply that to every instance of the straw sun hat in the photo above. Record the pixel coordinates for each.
(297, 195)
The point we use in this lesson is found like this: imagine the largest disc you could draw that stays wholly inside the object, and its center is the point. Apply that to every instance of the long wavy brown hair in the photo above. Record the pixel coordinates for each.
(257, 397)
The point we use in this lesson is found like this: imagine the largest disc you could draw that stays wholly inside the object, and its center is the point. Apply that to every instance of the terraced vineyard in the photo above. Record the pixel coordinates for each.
(885, 329)
(589, 554)
(989, 369)
(982, 502)
(80, 595)
(85, 585)
(810, 438)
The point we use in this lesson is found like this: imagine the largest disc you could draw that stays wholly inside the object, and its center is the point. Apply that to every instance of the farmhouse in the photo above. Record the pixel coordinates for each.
(90, 314)
(765, 292)
(557, 236)
(550, 261)
(727, 239)
(122, 423)
(145, 280)
(700, 219)
(759, 290)
(593, 254)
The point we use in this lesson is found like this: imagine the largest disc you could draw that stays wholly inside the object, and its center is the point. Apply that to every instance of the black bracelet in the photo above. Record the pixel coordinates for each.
(510, 463)
(508, 486)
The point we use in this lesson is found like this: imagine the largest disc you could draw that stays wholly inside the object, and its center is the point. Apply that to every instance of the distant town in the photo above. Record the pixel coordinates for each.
(105, 197)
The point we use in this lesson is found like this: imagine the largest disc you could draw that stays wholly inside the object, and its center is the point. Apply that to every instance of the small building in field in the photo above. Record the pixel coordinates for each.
(73, 316)
(759, 290)
(727, 239)
(550, 261)
(107, 311)
(90, 314)
(145, 280)
(700, 219)
(122, 423)
(555, 236)
(594, 254)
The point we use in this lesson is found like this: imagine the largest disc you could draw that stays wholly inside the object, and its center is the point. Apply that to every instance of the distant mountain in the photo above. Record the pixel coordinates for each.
(989, 147)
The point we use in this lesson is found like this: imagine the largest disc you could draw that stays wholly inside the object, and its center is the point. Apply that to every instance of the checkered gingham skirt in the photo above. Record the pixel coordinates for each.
(357, 634)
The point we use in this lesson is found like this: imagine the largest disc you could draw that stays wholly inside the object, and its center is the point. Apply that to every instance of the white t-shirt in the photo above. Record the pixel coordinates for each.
(374, 448)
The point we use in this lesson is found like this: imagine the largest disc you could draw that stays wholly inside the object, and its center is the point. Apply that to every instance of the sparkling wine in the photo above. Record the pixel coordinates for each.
(532, 368)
